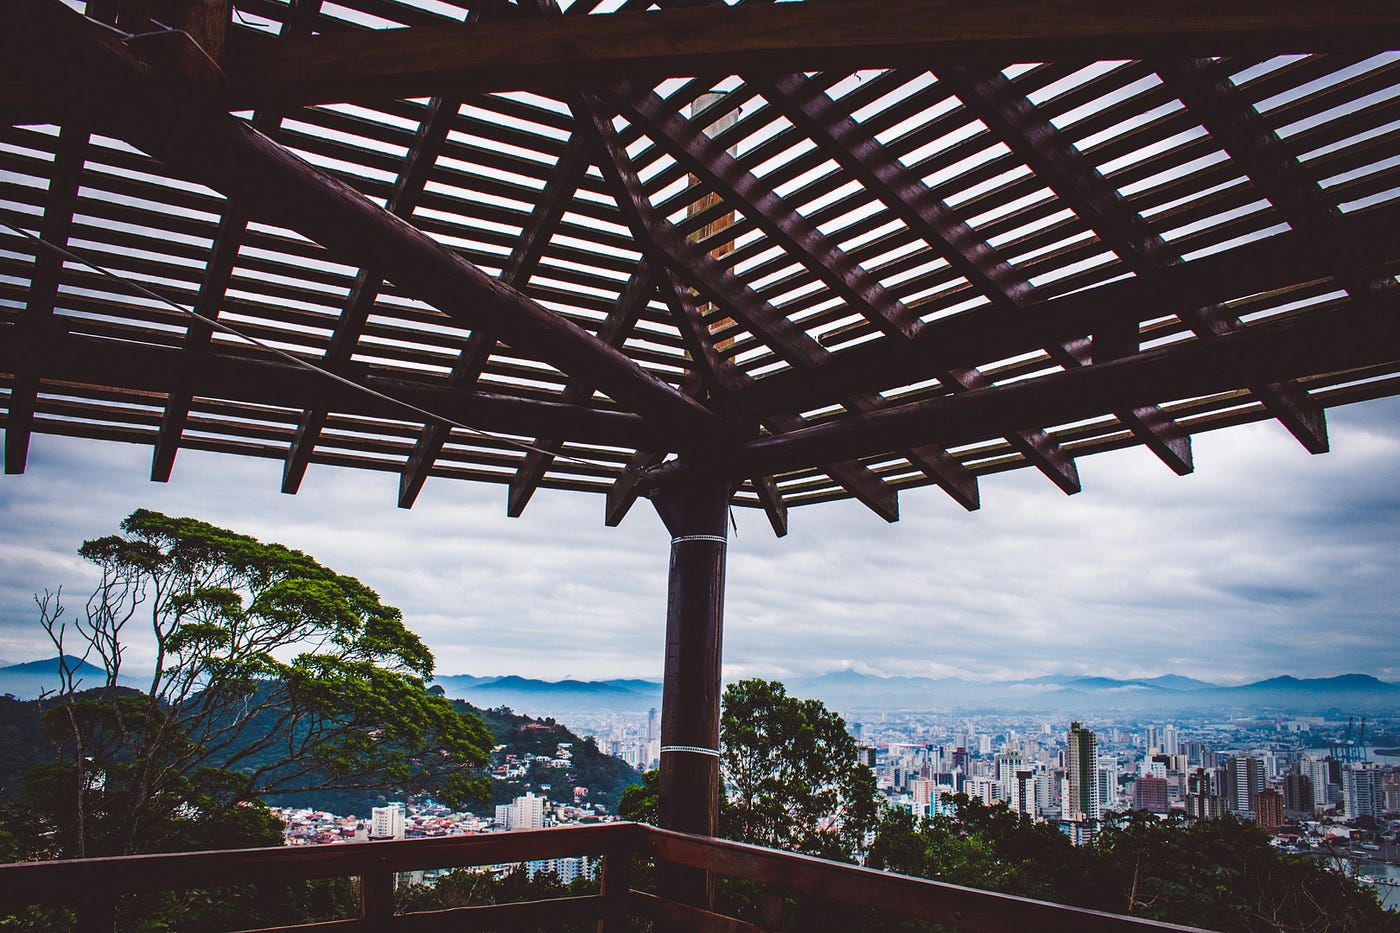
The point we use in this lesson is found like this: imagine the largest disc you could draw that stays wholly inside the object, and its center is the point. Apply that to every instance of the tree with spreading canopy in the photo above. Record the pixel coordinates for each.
(271, 674)
(791, 776)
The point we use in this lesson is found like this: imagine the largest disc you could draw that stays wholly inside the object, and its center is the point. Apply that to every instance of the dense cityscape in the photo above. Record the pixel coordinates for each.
(1316, 783)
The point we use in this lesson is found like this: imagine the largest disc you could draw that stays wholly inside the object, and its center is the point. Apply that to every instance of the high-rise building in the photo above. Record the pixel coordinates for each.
(1201, 802)
(1297, 794)
(1362, 791)
(1319, 776)
(651, 725)
(1244, 779)
(387, 822)
(1152, 739)
(1081, 798)
(1150, 793)
(1170, 743)
(525, 812)
(1268, 808)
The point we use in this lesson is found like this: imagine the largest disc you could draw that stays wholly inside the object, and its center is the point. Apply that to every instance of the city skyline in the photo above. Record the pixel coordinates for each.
(1265, 561)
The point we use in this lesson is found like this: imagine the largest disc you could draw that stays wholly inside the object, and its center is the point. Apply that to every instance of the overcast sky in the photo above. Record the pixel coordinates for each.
(1266, 561)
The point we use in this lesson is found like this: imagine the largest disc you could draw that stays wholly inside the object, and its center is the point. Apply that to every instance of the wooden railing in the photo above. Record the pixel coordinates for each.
(94, 886)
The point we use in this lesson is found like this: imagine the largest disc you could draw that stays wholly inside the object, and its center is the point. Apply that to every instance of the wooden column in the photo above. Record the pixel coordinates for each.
(696, 512)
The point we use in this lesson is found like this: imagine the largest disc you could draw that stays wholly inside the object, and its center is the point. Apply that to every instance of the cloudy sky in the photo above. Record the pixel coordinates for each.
(1266, 561)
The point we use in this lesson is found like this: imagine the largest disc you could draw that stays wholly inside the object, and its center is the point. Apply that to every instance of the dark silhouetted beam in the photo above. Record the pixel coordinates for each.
(990, 334)
(821, 257)
(523, 260)
(1274, 171)
(69, 154)
(1010, 116)
(218, 374)
(814, 113)
(225, 153)
(218, 271)
(551, 54)
(1345, 338)
(667, 250)
(427, 143)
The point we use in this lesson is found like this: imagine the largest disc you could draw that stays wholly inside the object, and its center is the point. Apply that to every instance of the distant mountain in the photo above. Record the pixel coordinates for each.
(548, 697)
(850, 690)
(27, 680)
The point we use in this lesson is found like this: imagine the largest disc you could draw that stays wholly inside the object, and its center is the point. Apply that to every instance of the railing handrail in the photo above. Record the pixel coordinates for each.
(28, 882)
(783, 872)
(920, 898)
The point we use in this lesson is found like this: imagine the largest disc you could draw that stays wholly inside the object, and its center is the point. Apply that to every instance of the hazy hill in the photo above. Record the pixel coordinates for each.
(26, 681)
(543, 697)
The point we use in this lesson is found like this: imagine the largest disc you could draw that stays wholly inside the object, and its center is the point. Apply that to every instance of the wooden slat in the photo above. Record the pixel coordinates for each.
(229, 155)
(902, 190)
(998, 103)
(260, 381)
(782, 38)
(1326, 341)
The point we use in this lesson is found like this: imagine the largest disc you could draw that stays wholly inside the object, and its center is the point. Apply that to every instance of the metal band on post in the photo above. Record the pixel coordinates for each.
(692, 749)
(684, 539)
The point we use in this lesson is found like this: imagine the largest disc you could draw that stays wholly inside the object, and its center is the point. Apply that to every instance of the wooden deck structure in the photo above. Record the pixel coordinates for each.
(478, 241)
(94, 887)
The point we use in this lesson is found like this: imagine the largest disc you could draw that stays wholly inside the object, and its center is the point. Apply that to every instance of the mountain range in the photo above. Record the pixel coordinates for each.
(852, 690)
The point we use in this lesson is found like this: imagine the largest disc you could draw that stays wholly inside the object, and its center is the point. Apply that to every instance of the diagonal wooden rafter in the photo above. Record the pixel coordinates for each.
(667, 249)
(84, 363)
(427, 144)
(1010, 115)
(809, 108)
(218, 272)
(524, 259)
(70, 153)
(990, 333)
(1348, 337)
(615, 328)
(370, 65)
(202, 143)
(822, 257)
(711, 373)
(1273, 169)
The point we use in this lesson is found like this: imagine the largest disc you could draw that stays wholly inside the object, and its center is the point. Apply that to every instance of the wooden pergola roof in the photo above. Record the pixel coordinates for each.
(965, 238)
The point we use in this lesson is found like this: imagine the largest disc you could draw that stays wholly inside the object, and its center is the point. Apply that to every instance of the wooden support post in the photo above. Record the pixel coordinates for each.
(377, 897)
(696, 513)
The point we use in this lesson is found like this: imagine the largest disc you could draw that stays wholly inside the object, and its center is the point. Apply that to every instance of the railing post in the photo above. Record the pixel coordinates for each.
(773, 903)
(696, 513)
(97, 912)
(616, 887)
(377, 896)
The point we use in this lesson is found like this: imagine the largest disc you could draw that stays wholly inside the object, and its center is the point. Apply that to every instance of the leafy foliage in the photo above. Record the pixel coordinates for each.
(791, 774)
(272, 674)
(474, 888)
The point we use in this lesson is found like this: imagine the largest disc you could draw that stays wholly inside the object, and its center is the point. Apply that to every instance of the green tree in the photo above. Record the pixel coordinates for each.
(272, 674)
(791, 775)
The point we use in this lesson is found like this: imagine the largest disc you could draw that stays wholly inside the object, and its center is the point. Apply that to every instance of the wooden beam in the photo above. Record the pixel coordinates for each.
(1348, 337)
(523, 260)
(830, 264)
(218, 271)
(814, 113)
(618, 324)
(202, 143)
(1012, 117)
(665, 249)
(427, 143)
(991, 334)
(1271, 166)
(550, 54)
(70, 152)
(218, 374)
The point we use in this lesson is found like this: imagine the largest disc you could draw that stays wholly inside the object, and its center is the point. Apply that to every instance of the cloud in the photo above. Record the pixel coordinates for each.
(1265, 561)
